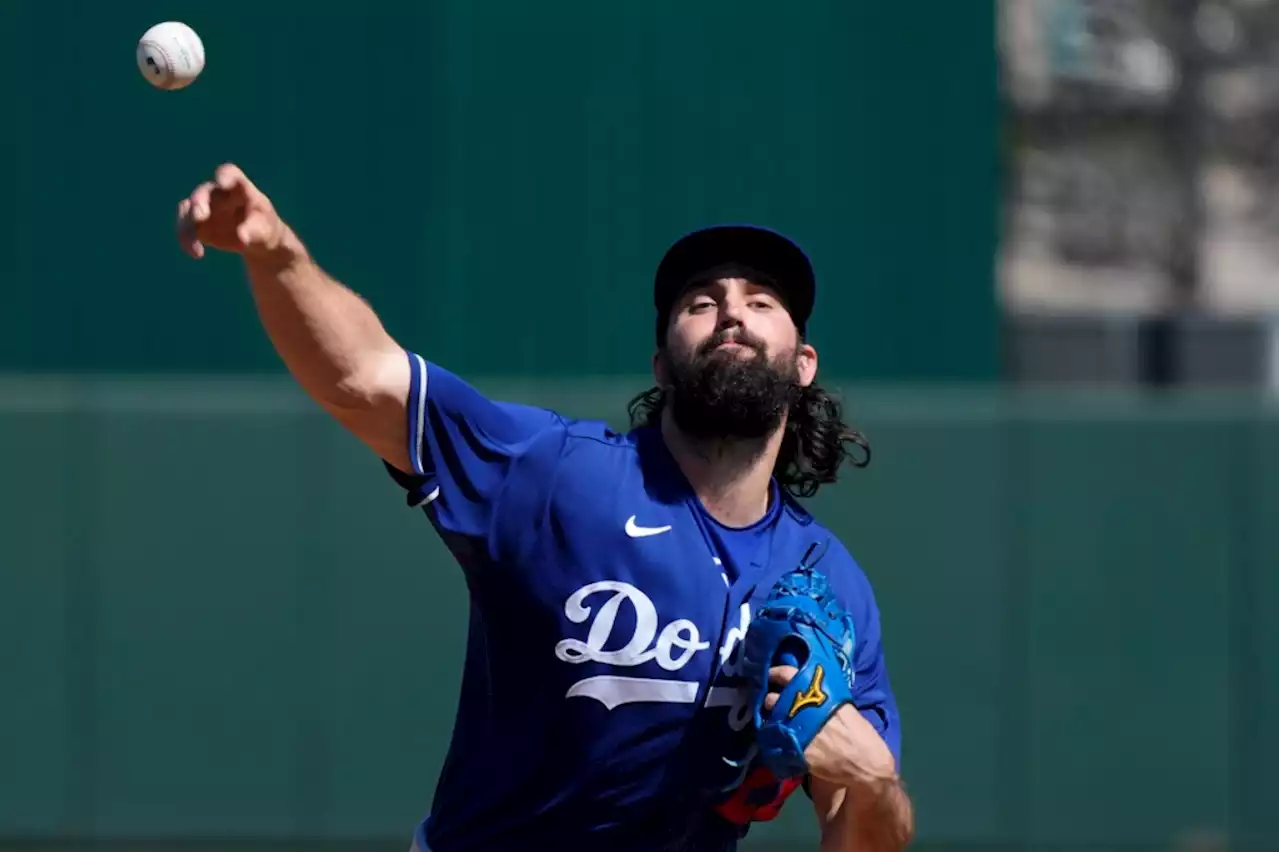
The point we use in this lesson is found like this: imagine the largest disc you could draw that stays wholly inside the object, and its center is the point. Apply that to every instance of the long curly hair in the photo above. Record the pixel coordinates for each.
(815, 443)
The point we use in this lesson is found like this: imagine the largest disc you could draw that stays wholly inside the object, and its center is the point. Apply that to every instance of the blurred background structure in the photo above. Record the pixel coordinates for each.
(1046, 239)
(1139, 216)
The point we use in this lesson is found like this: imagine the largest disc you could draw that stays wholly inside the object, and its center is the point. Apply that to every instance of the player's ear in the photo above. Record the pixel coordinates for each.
(659, 369)
(806, 364)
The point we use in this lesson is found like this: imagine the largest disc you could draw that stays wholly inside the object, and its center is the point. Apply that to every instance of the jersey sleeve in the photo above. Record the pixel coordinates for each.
(463, 447)
(872, 692)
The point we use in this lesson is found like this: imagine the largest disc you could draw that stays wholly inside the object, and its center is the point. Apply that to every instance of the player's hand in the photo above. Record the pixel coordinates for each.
(230, 214)
(779, 677)
(846, 750)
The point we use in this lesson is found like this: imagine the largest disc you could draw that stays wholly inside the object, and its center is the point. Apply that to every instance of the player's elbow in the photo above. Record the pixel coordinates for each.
(369, 401)
(375, 381)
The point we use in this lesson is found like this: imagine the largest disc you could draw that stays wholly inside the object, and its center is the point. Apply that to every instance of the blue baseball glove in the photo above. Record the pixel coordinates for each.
(802, 625)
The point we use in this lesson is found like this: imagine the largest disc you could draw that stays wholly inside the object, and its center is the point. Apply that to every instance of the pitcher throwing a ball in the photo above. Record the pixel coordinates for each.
(664, 644)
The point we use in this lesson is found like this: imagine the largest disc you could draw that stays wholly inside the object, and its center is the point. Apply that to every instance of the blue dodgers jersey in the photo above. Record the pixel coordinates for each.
(602, 704)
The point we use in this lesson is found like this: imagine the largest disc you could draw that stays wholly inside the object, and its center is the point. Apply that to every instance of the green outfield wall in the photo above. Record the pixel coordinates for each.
(218, 618)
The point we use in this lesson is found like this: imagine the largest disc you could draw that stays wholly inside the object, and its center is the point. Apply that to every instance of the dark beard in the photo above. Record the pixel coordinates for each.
(719, 395)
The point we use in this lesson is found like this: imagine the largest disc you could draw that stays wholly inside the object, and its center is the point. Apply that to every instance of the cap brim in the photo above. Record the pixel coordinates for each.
(761, 249)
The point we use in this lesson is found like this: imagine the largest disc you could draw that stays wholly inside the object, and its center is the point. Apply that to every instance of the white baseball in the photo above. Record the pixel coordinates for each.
(170, 55)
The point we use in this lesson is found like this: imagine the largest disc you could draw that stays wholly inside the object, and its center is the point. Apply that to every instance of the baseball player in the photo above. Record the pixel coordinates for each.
(664, 645)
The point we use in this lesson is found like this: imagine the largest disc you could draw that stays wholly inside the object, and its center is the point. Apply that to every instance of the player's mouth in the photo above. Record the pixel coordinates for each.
(737, 348)
(734, 345)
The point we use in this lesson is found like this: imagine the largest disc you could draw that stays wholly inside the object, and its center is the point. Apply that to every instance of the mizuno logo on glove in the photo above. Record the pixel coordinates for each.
(811, 697)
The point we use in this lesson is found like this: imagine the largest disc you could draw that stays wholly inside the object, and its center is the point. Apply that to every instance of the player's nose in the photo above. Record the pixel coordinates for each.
(733, 310)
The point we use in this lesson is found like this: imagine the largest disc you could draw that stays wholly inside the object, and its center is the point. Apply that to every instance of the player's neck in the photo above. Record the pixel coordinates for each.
(730, 477)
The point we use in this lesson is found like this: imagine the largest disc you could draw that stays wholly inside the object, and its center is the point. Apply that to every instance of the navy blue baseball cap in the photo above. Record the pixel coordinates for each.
(775, 258)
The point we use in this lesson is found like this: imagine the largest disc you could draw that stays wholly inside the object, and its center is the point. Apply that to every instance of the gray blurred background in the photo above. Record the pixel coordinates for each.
(1139, 216)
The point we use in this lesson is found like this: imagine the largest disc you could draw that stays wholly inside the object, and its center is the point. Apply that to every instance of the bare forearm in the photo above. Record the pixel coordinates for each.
(335, 346)
(878, 819)
(329, 338)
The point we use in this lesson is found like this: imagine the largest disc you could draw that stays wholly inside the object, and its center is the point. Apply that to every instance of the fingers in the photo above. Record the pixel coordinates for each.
(227, 213)
(194, 212)
(230, 182)
(779, 677)
(186, 227)
(204, 211)
(229, 185)
(229, 176)
(255, 230)
(202, 202)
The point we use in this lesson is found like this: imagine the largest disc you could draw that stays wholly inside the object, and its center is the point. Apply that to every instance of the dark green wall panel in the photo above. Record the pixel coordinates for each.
(40, 697)
(925, 520)
(1254, 637)
(201, 589)
(1128, 551)
(380, 580)
(500, 178)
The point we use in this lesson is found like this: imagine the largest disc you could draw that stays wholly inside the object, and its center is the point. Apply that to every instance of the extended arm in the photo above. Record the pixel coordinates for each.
(331, 341)
(335, 347)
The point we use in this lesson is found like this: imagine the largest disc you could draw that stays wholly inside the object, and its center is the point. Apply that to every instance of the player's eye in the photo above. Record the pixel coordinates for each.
(700, 305)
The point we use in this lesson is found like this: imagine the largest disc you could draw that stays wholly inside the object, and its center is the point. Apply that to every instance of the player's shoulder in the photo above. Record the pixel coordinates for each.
(610, 468)
(600, 442)
(596, 435)
(573, 445)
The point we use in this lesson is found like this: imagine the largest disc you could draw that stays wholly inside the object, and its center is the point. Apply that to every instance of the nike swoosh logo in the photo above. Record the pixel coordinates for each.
(636, 531)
